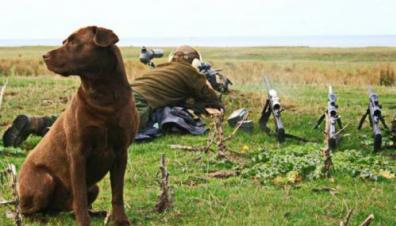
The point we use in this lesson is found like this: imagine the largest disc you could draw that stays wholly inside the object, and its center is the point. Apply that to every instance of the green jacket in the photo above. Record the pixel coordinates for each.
(172, 84)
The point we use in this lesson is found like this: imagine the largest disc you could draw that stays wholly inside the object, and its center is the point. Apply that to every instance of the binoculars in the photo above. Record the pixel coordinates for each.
(146, 55)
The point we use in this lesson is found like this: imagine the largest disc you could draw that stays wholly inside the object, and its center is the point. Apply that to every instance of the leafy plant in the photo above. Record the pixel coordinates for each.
(307, 162)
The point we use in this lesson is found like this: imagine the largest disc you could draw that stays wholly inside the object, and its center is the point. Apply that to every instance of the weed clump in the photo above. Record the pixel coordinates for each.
(387, 77)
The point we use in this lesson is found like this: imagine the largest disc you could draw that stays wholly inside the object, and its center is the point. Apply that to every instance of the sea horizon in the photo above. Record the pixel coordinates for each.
(336, 41)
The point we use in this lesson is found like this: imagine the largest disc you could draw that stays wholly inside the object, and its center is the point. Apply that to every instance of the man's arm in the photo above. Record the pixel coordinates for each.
(214, 111)
(205, 96)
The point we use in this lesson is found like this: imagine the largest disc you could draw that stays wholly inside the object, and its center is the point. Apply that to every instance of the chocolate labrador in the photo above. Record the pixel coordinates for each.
(90, 138)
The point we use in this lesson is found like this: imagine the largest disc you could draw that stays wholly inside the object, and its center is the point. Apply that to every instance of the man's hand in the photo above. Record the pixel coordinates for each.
(214, 111)
(210, 85)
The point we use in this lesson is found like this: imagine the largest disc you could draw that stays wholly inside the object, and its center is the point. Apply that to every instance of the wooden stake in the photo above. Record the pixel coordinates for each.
(164, 201)
(204, 148)
(328, 163)
(221, 147)
(239, 124)
(11, 169)
(9, 202)
(2, 90)
(211, 138)
(186, 147)
(106, 221)
(345, 222)
(216, 135)
(368, 220)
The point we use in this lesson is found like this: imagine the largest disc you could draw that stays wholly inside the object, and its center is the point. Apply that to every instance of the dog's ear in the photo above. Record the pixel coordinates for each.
(105, 37)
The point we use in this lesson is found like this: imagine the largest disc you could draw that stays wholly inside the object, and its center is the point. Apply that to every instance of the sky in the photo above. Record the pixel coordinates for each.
(55, 19)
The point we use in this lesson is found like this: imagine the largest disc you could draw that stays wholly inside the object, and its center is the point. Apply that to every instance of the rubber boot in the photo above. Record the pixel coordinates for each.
(40, 125)
(23, 126)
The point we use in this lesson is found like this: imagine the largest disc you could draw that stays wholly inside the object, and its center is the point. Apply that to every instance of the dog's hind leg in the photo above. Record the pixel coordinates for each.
(35, 190)
(93, 192)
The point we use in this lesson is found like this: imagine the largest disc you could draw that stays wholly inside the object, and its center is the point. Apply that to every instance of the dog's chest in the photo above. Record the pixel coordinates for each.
(99, 163)
(101, 139)
(105, 145)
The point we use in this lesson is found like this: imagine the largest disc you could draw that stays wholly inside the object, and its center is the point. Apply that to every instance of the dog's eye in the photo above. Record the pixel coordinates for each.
(73, 43)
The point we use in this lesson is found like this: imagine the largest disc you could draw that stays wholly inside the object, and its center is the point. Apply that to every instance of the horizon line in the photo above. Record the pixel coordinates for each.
(225, 36)
(235, 41)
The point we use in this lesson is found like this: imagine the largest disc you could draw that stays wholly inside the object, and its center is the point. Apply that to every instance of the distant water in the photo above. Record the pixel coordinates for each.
(311, 41)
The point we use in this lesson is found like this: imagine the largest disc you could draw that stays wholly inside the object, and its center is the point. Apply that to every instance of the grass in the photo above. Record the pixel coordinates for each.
(353, 66)
(254, 197)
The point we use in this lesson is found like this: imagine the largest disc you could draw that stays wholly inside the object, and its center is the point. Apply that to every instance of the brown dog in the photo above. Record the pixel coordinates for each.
(90, 138)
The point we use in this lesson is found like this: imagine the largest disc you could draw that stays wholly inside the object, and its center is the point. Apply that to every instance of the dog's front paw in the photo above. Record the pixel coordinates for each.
(120, 219)
(122, 222)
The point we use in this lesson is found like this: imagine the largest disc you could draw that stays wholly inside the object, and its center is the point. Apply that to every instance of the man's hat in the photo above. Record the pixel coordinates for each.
(185, 53)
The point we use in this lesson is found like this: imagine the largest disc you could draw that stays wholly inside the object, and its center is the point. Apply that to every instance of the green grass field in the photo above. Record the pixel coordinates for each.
(275, 184)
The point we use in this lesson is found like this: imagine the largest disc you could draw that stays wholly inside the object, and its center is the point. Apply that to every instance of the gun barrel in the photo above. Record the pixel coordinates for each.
(267, 83)
(331, 133)
(331, 118)
(375, 118)
(332, 110)
(377, 137)
(370, 90)
(332, 103)
(374, 106)
(273, 107)
(271, 92)
(373, 96)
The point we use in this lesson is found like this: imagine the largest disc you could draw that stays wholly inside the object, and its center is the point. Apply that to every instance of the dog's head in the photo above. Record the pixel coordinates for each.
(86, 52)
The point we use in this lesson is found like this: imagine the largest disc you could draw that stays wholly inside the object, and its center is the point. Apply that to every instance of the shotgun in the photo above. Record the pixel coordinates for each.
(332, 119)
(375, 117)
(272, 107)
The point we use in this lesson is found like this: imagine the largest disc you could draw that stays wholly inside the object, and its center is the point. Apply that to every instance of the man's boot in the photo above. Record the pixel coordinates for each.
(23, 126)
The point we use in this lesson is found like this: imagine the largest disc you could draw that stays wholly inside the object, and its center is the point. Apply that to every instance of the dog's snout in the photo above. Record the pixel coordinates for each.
(46, 56)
